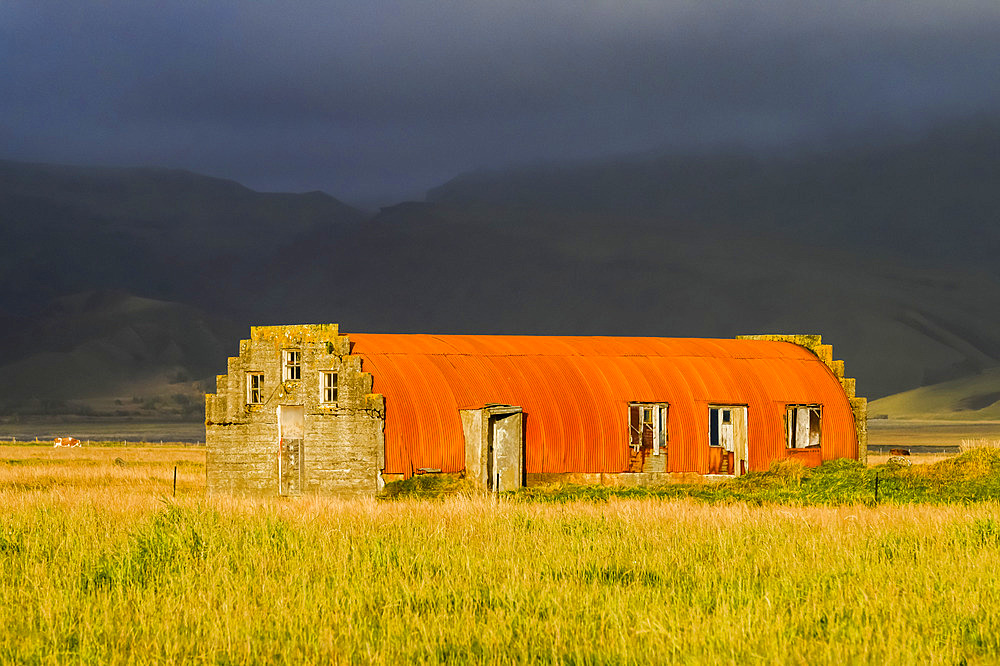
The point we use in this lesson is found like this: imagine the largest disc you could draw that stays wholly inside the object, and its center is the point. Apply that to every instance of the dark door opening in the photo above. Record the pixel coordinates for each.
(291, 427)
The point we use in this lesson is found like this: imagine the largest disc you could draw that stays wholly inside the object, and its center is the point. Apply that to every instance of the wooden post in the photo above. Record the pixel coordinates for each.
(175, 480)
(876, 487)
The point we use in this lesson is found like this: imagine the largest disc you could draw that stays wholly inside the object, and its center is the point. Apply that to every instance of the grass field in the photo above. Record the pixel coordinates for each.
(885, 434)
(103, 429)
(99, 564)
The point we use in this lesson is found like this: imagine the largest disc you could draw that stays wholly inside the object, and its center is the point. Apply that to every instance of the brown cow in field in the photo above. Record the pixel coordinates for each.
(66, 441)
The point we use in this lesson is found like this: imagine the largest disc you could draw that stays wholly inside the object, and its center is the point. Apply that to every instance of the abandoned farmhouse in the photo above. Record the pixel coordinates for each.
(305, 409)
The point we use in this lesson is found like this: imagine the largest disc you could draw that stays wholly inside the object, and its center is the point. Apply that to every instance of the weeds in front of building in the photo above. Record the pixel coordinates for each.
(972, 476)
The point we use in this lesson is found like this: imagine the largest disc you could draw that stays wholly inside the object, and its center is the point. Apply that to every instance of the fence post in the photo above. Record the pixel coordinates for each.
(175, 480)
(876, 487)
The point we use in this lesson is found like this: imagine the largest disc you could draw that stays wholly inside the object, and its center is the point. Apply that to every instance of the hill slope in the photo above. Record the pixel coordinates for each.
(932, 197)
(886, 250)
(106, 275)
(163, 233)
(976, 397)
(112, 346)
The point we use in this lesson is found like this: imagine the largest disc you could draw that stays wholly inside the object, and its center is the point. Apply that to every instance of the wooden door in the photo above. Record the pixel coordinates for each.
(505, 458)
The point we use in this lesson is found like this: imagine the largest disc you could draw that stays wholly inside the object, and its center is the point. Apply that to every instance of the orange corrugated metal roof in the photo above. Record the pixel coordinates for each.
(575, 391)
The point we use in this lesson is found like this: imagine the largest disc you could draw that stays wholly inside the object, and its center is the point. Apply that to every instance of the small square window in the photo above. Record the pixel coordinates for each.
(804, 426)
(293, 364)
(720, 426)
(255, 388)
(328, 387)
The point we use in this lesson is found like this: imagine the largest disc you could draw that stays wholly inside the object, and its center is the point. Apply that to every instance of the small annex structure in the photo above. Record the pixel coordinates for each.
(306, 409)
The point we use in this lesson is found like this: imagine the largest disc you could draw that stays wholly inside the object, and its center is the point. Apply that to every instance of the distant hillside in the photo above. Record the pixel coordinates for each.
(970, 398)
(106, 276)
(116, 282)
(163, 233)
(111, 345)
(933, 198)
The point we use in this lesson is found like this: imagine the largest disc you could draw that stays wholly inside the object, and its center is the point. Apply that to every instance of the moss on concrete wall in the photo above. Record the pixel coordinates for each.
(343, 445)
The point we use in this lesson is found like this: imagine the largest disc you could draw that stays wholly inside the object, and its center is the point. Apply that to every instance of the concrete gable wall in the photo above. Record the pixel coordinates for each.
(343, 444)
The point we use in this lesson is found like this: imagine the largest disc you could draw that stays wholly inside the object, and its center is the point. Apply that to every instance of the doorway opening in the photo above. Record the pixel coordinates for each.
(648, 436)
(291, 428)
(728, 449)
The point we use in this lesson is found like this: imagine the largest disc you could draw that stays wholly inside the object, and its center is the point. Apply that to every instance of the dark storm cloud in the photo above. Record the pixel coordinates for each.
(369, 100)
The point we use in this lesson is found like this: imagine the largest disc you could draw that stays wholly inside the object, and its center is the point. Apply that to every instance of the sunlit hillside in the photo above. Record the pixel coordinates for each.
(969, 398)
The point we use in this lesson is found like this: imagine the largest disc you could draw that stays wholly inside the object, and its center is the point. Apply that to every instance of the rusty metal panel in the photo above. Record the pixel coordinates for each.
(575, 394)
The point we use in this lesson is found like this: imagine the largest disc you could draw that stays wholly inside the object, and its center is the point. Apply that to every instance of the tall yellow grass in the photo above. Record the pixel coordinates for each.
(978, 443)
(122, 573)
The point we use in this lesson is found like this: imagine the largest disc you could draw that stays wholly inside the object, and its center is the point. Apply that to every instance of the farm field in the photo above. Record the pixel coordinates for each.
(884, 434)
(103, 429)
(100, 564)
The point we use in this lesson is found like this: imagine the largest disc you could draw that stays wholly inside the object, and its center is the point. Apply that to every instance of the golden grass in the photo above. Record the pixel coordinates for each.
(150, 468)
(121, 573)
(979, 443)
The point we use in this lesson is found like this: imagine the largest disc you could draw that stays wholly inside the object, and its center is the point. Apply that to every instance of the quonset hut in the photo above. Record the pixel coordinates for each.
(306, 409)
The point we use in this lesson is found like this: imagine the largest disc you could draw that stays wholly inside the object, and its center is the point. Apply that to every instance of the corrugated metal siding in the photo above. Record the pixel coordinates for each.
(575, 394)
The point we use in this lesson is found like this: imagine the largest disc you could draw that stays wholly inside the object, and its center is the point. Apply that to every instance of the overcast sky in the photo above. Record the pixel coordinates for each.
(377, 101)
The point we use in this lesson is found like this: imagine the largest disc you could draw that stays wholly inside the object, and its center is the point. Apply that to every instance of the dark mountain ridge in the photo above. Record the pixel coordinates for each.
(888, 251)
(933, 197)
(159, 232)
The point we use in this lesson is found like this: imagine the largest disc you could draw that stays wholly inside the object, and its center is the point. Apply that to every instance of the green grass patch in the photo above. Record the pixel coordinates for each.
(973, 476)
(429, 486)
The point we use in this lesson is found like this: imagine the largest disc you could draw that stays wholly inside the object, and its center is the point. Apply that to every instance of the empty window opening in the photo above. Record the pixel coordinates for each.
(255, 388)
(804, 425)
(328, 386)
(293, 364)
(648, 436)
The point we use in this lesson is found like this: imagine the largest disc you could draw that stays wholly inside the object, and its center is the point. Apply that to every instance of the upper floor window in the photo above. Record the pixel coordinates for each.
(803, 426)
(255, 388)
(328, 386)
(293, 364)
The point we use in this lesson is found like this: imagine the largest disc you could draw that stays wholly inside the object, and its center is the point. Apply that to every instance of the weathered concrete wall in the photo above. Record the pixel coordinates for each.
(343, 442)
(476, 446)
